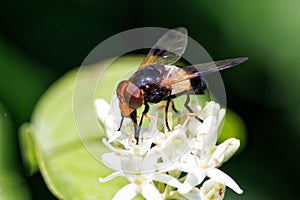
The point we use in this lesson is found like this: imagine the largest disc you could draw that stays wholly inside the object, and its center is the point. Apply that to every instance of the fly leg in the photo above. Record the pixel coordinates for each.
(121, 123)
(146, 109)
(173, 107)
(135, 126)
(166, 113)
(186, 105)
(169, 100)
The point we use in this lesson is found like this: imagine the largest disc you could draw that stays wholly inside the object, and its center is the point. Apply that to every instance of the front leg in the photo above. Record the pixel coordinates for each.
(166, 111)
(166, 114)
(146, 109)
(135, 126)
(169, 100)
(121, 123)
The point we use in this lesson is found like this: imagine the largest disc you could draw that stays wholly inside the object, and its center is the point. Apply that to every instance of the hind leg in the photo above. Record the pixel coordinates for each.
(186, 105)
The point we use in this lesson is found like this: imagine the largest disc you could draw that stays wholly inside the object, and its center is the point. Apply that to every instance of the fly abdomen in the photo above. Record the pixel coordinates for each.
(197, 84)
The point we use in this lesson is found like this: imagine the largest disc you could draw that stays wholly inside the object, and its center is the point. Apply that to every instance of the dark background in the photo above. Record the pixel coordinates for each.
(41, 40)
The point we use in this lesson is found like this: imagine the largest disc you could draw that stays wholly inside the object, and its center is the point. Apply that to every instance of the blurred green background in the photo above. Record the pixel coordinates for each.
(41, 40)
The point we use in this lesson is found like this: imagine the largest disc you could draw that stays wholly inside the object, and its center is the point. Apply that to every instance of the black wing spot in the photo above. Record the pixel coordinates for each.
(159, 52)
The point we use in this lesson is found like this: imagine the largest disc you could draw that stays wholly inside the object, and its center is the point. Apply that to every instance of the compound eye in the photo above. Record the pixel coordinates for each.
(133, 96)
(120, 89)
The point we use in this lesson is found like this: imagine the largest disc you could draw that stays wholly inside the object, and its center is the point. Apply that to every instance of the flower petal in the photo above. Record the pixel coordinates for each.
(220, 176)
(150, 161)
(193, 194)
(194, 177)
(175, 146)
(232, 146)
(164, 178)
(208, 133)
(112, 160)
(211, 109)
(149, 191)
(103, 113)
(114, 136)
(127, 192)
(212, 190)
(189, 183)
(111, 176)
(120, 151)
(102, 109)
(223, 152)
(185, 167)
(221, 116)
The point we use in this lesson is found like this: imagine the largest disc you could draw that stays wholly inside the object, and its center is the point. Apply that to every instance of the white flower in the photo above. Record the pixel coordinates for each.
(210, 190)
(163, 156)
(173, 147)
(111, 121)
(140, 172)
(103, 112)
(198, 169)
(206, 134)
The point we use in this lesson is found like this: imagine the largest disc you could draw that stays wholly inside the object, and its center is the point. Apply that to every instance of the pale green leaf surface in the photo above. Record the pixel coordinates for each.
(27, 147)
(234, 127)
(69, 170)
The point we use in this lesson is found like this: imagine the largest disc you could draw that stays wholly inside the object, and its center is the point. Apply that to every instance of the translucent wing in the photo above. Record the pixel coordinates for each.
(204, 69)
(215, 66)
(168, 49)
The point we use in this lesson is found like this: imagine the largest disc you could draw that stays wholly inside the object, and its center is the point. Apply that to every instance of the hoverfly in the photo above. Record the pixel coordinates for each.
(158, 80)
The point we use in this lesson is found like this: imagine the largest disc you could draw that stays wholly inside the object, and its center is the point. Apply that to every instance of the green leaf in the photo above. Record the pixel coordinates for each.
(27, 147)
(234, 127)
(54, 141)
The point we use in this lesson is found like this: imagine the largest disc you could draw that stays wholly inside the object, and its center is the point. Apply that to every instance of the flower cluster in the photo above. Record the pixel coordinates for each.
(178, 164)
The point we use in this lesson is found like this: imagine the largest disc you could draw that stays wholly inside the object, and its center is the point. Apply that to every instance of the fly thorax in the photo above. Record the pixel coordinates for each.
(154, 93)
(152, 74)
